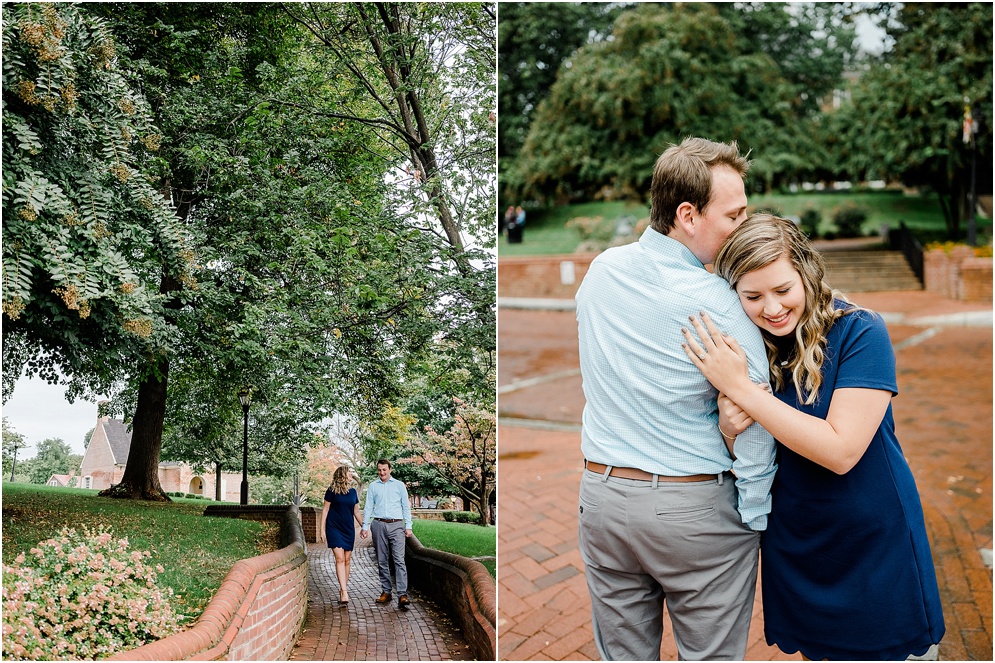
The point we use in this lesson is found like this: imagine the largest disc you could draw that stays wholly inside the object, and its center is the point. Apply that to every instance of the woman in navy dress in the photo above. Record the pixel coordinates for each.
(847, 571)
(341, 507)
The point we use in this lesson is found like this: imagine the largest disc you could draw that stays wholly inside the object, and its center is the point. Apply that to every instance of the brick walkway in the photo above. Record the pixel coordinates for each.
(944, 418)
(361, 630)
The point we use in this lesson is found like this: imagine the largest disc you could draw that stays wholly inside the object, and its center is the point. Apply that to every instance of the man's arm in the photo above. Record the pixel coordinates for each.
(406, 510)
(368, 511)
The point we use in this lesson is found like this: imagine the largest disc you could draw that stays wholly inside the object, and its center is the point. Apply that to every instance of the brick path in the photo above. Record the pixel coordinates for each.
(361, 630)
(944, 418)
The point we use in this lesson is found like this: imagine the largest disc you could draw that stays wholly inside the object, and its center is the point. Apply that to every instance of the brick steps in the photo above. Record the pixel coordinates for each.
(869, 271)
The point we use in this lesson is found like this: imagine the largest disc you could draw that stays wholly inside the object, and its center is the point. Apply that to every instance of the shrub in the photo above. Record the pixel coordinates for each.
(810, 220)
(82, 596)
(461, 516)
(849, 221)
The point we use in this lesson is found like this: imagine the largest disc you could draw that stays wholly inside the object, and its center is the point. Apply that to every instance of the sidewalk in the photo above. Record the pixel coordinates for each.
(944, 418)
(361, 630)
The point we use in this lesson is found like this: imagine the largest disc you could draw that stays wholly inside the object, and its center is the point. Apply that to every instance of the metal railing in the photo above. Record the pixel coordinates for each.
(903, 240)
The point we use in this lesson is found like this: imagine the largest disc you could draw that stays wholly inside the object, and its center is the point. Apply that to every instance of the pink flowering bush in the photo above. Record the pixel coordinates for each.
(82, 596)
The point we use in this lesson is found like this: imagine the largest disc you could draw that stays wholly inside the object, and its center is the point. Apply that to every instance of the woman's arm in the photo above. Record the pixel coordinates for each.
(324, 517)
(357, 513)
(836, 442)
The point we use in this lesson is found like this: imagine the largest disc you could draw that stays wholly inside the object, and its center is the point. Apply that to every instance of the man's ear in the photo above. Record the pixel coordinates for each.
(684, 219)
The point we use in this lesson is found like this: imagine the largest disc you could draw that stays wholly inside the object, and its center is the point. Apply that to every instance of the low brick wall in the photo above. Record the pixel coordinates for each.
(259, 609)
(544, 277)
(463, 587)
(958, 274)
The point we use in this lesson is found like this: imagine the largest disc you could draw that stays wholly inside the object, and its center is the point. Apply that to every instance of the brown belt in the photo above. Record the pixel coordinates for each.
(639, 475)
(388, 520)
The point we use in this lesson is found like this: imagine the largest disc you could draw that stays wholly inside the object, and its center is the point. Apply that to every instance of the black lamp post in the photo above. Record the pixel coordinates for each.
(244, 397)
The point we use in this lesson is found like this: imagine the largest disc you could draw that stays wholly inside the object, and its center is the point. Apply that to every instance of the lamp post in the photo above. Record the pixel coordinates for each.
(244, 397)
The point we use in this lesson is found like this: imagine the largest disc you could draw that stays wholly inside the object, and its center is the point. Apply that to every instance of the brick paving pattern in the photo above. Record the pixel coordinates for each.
(944, 418)
(362, 630)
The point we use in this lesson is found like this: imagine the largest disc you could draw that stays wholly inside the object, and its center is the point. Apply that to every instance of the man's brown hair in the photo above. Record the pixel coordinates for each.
(683, 173)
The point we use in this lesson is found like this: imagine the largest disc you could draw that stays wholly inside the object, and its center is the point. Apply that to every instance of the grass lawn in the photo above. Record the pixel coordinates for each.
(458, 538)
(197, 552)
(546, 234)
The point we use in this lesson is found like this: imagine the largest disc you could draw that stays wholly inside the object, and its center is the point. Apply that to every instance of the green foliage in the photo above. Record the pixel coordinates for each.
(534, 39)
(13, 451)
(905, 119)
(810, 220)
(461, 517)
(849, 221)
(53, 457)
(86, 235)
(82, 595)
(669, 71)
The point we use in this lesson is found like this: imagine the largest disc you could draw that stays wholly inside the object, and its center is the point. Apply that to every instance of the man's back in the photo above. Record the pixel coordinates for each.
(648, 407)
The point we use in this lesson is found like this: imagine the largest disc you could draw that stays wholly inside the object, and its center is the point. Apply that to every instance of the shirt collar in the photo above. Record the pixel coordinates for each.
(660, 244)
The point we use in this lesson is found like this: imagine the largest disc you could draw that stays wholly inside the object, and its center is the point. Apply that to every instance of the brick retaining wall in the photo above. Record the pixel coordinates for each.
(463, 587)
(958, 274)
(259, 609)
(542, 276)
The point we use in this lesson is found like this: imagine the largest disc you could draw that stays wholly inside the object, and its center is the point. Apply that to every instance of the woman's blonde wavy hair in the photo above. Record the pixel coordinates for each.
(340, 480)
(761, 240)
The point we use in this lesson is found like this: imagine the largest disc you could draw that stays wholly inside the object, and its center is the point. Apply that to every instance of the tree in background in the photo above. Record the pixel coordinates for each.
(751, 72)
(13, 453)
(464, 455)
(534, 39)
(907, 110)
(54, 457)
(670, 71)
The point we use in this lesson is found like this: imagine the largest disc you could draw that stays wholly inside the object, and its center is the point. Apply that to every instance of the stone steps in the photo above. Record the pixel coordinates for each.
(869, 271)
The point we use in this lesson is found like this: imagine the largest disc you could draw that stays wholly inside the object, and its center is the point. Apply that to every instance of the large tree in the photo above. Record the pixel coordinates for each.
(85, 235)
(668, 72)
(905, 121)
(534, 40)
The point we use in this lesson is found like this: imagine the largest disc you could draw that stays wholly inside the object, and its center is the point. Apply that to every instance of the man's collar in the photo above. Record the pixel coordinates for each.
(658, 243)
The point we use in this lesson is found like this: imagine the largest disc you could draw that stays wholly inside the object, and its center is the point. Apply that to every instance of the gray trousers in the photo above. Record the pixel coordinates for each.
(388, 538)
(682, 544)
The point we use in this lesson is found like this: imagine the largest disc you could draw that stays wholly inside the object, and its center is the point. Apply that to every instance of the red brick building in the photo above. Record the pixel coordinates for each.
(107, 455)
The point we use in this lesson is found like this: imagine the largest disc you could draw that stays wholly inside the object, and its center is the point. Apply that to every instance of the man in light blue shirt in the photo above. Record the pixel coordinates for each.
(660, 518)
(388, 516)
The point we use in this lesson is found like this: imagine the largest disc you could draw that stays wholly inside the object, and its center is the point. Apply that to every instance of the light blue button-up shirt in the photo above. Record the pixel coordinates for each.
(387, 499)
(648, 406)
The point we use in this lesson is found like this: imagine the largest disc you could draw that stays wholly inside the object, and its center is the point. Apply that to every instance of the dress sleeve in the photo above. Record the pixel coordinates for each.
(867, 359)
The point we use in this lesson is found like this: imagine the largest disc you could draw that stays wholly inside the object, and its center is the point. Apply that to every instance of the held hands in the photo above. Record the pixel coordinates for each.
(719, 357)
(363, 533)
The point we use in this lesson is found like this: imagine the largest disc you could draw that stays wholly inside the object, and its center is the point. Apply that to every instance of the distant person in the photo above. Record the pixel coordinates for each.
(508, 220)
(847, 569)
(388, 516)
(340, 509)
(516, 225)
(662, 520)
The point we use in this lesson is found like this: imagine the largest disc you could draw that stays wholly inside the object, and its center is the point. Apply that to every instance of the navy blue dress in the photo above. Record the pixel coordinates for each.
(340, 532)
(846, 566)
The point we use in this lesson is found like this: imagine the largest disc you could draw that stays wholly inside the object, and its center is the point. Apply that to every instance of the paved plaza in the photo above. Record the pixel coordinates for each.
(943, 415)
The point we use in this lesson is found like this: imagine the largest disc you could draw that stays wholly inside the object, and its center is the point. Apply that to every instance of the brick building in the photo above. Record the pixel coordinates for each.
(107, 455)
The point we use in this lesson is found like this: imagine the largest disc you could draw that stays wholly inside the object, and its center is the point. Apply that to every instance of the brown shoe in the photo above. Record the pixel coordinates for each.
(384, 598)
(403, 603)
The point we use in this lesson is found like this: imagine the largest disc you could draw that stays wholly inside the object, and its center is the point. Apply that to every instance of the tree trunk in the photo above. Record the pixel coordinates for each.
(217, 482)
(141, 475)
